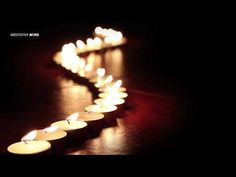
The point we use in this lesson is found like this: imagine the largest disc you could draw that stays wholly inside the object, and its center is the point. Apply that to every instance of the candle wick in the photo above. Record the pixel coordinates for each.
(68, 121)
(25, 141)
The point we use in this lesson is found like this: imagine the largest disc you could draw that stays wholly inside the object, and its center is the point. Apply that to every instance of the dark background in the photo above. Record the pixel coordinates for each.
(163, 48)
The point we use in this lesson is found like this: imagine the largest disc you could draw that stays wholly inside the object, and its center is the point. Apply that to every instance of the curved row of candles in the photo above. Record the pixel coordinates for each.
(103, 38)
(111, 95)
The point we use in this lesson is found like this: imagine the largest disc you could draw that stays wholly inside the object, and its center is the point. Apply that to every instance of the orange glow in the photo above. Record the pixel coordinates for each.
(73, 98)
(113, 60)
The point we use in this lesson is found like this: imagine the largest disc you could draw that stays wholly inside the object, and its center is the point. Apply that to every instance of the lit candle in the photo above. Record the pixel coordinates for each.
(50, 133)
(99, 78)
(87, 71)
(98, 30)
(97, 42)
(28, 145)
(80, 46)
(90, 116)
(81, 69)
(102, 108)
(90, 44)
(107, 89)
(93, 119)
(112, 101)
(113, 91)
(111, 37)
(71, 123)
(114, 87)
(116, 95)
(105, 82)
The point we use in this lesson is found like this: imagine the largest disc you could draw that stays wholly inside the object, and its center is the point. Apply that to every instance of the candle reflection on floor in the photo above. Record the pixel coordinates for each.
(73, 97)
(95, 60)
(114, 62)
(111, 60)
(111, 141)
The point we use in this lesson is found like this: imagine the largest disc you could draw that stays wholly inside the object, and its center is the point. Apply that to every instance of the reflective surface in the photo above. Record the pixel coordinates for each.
(156, 118)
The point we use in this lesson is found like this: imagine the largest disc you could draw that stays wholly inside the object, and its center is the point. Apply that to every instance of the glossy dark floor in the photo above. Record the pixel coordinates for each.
(160, 113)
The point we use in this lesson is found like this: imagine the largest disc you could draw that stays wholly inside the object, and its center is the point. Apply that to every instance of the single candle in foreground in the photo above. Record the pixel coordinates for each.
(50, 134)
(71, 123)
(28, 145)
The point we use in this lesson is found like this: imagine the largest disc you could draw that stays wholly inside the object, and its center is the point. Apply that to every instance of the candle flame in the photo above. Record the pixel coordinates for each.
(97, 41)
(50, 129)
(117, 84)
(82, 63)
(109, 79)
(68, 47)
(107, 40)
(98, 30)
(88, 67)
(110, 36)
(30, 136)
(90, 42)
(95, 108)
(80, 44)
(100, 72)
(106, 101)
(73, 116)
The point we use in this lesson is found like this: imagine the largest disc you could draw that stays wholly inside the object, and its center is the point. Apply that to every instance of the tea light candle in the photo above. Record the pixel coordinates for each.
(112, 91)
(104, 82)
(113, 87)
(81, 68)
(50, 133)
(112, 101)
(90, 116)
(99, 78)
(103, 108)
(98, 43)
(71, 123)
(107, 89)
(116, 95)
(28, 145)
(90, 44)
(80, 46)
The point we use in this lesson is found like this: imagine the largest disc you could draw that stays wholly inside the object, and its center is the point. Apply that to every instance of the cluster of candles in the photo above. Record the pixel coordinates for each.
(111, 94)
(103, 38)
